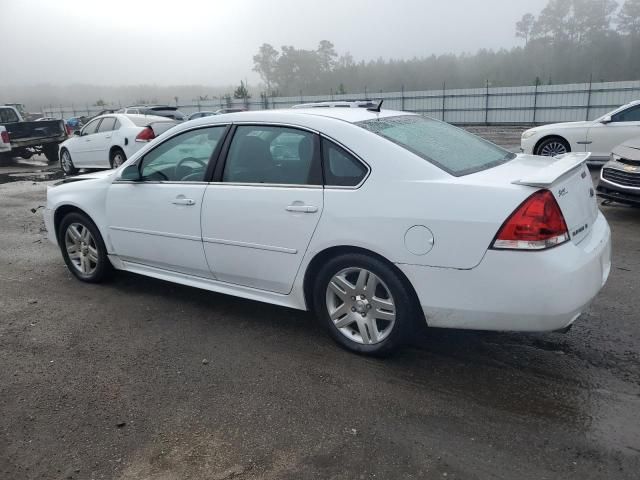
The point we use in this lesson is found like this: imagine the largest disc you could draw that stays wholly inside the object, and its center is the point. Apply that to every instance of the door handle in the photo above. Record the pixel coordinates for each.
(108, 136)
(183, 201)
(302, 208)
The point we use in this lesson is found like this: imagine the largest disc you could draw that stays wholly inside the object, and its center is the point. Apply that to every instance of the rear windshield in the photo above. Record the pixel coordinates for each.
(454, 150)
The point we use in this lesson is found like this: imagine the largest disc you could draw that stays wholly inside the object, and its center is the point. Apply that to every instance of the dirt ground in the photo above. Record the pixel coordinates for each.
(143, 379)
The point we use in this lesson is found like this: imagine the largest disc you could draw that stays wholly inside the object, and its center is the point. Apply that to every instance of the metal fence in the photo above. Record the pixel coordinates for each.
(536, 104)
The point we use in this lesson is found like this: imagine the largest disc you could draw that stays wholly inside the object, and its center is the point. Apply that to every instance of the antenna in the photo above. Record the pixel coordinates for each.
(376, 108)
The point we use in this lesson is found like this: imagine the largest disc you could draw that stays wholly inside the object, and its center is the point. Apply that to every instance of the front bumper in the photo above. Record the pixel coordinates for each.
(517, 291)
(610, 190)
(49, 225)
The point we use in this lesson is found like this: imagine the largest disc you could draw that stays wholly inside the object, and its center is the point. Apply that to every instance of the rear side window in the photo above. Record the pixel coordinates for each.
(340, 167)
(107, 124)
(450, 148)
(7, 115)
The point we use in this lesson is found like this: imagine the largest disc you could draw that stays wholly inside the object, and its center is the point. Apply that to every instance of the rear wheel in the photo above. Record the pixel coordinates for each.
(552, 146)
(117, 158)
(364, 304)
(83, 249)
(51, 152)
(66, 163)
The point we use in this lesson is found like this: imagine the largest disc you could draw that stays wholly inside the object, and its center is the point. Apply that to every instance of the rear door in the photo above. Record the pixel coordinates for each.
(259, 215)
(604, 137)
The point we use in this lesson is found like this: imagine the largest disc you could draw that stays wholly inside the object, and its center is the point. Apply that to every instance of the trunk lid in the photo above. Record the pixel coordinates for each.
(568, 178)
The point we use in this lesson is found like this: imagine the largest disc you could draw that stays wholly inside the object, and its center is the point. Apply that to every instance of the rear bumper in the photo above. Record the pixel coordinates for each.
(517, 291)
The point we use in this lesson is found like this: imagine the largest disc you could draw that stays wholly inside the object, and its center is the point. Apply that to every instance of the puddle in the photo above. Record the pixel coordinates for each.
(31, 176)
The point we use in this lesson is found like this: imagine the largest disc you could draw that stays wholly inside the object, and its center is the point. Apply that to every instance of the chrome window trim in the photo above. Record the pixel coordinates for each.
(274, 185)
(257, 246)
(158, 182)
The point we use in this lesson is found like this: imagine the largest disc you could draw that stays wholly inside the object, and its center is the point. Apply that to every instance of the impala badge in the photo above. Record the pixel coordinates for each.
(562, 192)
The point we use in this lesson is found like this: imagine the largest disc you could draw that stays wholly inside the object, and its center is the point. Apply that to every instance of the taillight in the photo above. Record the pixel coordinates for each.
(5, 136)
(68, 129)
(146, 135)
(536, 224)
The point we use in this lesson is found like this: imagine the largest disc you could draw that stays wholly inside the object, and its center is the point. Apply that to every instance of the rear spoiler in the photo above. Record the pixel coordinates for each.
(546, 176)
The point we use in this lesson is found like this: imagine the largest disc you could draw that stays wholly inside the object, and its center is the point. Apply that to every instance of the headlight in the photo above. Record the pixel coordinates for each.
(614, 157)
(528, 133)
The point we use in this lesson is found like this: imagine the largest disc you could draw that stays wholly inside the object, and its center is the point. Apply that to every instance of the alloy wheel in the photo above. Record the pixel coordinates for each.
(118, 159)
(65, 161)
(360, 306)
(81, 248)
(553, 148)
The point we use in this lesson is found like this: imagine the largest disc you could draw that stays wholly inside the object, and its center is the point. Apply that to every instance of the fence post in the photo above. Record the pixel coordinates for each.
(589, 96)
(444, 98)
(486, 106)
(535, 100)
(402, 97)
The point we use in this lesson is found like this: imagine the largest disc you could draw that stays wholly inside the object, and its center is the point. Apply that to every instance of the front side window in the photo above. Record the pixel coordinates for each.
(450, 148)
(629, 115)
(91, 127)
(183, 158)
(274, 155)
(340, 167)
(107, 124)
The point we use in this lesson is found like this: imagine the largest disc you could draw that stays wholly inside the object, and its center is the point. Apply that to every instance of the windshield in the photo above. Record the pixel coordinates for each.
(454, 150)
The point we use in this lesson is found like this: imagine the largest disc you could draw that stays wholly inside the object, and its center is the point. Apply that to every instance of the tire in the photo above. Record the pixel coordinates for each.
(552, 146)
(117, 157)
(66, 164)
(51, 152)
(83, 249)
(371, 324)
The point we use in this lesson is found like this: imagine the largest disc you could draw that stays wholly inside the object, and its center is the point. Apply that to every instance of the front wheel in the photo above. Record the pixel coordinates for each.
(83, 249)
(364, 304)
(553, 146)
(66, 163)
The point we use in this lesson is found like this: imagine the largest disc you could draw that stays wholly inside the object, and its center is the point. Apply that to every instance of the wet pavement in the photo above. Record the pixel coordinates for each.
(142, 379)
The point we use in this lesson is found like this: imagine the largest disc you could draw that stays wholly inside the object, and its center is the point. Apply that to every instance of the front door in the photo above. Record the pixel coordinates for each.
(83, 145)
(156, 221)
(604, 137)
(260, 214)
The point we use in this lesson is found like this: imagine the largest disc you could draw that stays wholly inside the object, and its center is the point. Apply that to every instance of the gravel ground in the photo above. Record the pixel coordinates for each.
(142, 379)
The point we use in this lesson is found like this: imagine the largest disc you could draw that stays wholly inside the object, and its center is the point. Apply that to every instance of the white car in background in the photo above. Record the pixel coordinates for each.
(372, 219)
(598, 136)
(108, 140)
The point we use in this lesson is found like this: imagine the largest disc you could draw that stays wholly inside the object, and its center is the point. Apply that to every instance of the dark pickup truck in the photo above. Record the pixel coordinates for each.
(31, 138)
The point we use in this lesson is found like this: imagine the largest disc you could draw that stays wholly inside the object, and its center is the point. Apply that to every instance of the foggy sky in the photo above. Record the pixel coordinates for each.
(130, 42)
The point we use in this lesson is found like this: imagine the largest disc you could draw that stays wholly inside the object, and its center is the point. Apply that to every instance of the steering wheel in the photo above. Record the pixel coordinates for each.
(190, 159)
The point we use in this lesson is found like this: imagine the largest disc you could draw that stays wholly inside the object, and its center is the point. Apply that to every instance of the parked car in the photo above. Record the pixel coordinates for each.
(230, 110)
(376, 220)
(107, 141)
(201, 114)
(598, 136)
(31, 138)
(620, 176)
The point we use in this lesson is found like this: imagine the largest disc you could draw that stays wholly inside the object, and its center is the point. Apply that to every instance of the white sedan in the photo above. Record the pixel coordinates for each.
(598, 136)
(108, 140)
(372, 219)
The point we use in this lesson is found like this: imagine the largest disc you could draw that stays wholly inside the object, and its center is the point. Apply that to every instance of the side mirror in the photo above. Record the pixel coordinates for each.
(131, 173)
(77, 132)
(606, 119)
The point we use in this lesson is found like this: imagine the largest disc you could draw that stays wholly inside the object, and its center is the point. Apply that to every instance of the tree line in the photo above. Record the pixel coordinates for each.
(569, 41)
